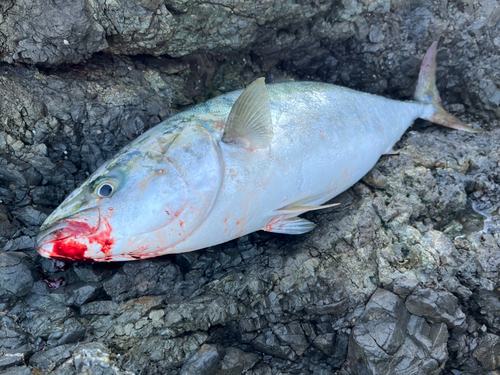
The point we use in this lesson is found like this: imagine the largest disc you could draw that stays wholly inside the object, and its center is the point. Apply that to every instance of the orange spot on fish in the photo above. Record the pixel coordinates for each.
(232, 173)
(181, 223)
(220, 125)
(273, 223)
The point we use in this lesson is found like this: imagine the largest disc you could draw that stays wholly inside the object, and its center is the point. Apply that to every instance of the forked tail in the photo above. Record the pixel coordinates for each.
(426, 92)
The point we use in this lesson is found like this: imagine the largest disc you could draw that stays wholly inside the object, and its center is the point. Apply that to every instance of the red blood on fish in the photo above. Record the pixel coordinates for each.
(69, 248)
(104, 238)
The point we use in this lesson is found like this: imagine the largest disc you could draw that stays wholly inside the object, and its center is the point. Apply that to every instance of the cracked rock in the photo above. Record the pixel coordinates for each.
(488, 352)
(204, 361)
(16, 277)
(436, 306)
(387, 339)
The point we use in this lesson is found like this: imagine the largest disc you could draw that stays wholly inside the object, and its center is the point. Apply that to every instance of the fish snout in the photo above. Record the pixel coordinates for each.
(66, 239)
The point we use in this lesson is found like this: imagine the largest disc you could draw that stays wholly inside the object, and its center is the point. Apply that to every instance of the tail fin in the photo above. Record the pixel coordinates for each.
(427, 92)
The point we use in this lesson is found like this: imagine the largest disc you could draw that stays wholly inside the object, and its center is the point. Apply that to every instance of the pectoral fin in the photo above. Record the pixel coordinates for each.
(249, 122)
(289, 225)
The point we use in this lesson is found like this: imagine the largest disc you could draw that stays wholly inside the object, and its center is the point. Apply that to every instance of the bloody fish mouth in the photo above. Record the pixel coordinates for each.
(69, 239)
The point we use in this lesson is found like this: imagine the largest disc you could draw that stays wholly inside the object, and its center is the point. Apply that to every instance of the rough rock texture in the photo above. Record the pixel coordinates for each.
(401, 278)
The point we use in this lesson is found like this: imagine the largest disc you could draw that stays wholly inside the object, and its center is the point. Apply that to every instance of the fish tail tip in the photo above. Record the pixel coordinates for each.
(427, 93)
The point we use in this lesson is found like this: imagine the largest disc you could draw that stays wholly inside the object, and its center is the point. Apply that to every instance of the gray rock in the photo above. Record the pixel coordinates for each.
(16, 277)
(236, 362)
(18, 370)
(47, 360)
(10, 360)
(99, 308)
(387, 339)
(80, 293)
(325, 343)
(269, 344)
(204, 361)
(30, 215)
(436, 306)
(20, 243)
(488, 352)
(292, 334)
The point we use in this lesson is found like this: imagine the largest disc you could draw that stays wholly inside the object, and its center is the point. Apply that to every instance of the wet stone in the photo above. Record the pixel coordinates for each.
(99, 308)
(80, 293)
(270, 344)
(16, 275)
(10, 360)
(20, 243)
(293, 335)
(30, 215)
(236, 362)
(47, 360)
(436, 306)
(325, 343)
(204, 361)
(387, 339)
(18, 370)
(488, 352)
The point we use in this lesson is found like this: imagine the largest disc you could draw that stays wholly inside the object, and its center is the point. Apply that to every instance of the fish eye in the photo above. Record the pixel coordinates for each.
(105, 189)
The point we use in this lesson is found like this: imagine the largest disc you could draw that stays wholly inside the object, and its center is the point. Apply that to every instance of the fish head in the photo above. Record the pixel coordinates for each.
(149, 198)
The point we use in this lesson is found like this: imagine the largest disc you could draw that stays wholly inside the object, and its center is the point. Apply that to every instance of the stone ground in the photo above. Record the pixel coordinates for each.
(402, 278)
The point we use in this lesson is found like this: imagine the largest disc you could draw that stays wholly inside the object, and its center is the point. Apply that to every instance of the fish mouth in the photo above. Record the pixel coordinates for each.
(68, 230)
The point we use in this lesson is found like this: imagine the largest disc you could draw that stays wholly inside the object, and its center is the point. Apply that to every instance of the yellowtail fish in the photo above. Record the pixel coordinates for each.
(248, 160)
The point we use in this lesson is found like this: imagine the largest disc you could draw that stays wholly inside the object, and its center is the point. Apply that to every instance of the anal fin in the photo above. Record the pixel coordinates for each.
(289, 225)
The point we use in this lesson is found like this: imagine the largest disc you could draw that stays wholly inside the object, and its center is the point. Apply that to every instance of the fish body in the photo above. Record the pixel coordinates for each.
(248, 160)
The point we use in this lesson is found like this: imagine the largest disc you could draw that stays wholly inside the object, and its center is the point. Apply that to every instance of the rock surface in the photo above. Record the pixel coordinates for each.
(402, 277)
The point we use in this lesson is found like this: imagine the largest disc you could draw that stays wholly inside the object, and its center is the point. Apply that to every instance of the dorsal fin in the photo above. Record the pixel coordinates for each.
(249, 122)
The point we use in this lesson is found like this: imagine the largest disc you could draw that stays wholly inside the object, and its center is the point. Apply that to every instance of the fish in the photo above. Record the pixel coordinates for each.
(248, 160)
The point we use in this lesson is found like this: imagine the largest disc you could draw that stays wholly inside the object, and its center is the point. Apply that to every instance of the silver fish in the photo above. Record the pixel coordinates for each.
(242, 162)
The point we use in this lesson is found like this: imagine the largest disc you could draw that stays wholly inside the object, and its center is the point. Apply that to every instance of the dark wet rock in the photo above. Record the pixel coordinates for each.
(387, 339)
(436, 307)
(30, 215)
(7, 229)
(137, 278)
(45, 196)
(270, 344)
(236, 362)
(99, 308)
(488, 352)
(293, 335)
(48, 318)
(325, 343)
(80, 293)
(16, 277)
(10, 360)
(204, 361)
(48, 359)
(18, 370)
(20, 243)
